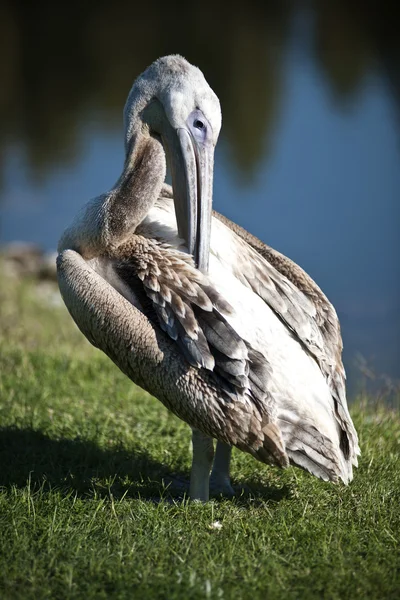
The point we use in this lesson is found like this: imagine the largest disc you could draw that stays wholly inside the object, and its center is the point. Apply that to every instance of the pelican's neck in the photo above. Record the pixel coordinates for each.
(106, 221)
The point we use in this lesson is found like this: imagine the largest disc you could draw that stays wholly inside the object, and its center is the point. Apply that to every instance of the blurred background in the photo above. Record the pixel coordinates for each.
(309, 154)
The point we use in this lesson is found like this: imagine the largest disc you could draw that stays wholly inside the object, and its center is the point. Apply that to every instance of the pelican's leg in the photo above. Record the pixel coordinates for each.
(220, 481)
(203, 454)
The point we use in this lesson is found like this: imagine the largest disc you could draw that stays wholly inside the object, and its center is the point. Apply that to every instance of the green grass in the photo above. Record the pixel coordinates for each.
(90, 505)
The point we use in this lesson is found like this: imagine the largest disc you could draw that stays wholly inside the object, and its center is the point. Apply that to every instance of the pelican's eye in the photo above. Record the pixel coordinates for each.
(199, 126)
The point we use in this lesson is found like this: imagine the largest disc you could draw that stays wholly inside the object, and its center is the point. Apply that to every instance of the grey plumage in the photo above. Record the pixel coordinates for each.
(137, 294)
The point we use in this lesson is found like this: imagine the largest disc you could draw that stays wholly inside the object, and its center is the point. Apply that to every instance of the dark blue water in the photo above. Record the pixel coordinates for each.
(319, 179)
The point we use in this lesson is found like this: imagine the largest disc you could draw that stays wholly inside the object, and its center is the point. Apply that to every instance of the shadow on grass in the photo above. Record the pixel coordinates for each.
(252, 491)
(81, 467)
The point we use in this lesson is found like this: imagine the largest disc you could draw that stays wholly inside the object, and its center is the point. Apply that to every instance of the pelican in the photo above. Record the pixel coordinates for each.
(229, 334)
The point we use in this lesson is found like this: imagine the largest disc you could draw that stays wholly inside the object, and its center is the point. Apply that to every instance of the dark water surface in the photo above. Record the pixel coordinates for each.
(309, 154)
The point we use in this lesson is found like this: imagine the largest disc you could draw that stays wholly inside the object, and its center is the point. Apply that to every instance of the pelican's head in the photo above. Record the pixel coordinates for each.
(173, 101)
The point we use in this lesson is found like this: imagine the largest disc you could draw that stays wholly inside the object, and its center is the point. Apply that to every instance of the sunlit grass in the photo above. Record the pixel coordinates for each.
(91, 502)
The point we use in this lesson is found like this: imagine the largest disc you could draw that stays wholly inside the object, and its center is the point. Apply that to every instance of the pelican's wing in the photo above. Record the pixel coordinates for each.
(190, 311)
(302, 306)
(154, 361)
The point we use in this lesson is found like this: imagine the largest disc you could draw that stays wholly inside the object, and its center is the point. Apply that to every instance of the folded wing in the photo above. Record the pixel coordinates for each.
(301, 305)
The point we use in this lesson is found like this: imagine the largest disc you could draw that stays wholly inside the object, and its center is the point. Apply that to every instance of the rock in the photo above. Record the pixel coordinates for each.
(23, 259)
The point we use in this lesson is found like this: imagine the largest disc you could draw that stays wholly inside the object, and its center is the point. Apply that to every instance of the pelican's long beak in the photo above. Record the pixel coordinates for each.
(192, 181)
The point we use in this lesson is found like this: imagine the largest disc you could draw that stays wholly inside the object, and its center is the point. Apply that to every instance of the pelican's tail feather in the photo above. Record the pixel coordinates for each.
(309, 448)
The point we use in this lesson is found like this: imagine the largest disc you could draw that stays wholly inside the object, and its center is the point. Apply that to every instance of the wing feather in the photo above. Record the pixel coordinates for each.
(187, 307)
(301, 305)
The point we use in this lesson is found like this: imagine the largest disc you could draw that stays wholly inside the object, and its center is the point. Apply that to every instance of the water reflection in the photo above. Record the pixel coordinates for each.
(60, 66)
(310, 93)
